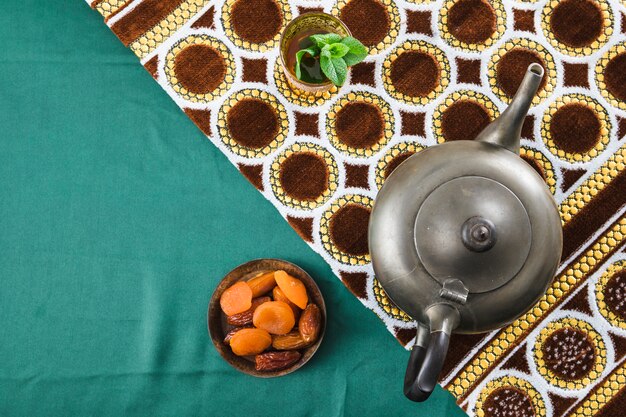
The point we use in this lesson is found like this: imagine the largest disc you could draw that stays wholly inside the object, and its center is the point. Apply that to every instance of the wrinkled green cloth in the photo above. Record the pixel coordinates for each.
(117, 220)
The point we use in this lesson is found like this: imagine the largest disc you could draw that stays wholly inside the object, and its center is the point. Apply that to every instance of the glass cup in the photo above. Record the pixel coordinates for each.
(301, 27)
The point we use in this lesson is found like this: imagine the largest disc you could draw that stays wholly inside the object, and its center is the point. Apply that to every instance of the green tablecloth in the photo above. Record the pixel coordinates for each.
(117, 220)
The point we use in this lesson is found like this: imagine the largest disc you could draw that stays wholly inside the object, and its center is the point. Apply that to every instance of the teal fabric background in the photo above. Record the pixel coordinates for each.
(117, 220)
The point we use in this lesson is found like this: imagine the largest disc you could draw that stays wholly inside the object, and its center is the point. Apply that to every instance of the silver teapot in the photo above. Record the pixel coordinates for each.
(465, 237)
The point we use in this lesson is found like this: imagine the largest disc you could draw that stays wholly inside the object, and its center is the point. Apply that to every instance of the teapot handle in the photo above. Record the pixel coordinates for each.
(426, 361)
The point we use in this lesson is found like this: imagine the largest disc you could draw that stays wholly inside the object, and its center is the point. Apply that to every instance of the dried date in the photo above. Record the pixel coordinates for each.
(273, 361)
(289, 341)
(310, 323)
(245, 318)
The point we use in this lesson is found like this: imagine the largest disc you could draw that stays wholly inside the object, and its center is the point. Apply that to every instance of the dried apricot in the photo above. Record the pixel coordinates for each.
(262, 284)
(293, 288)
(230, 334)
(310, 323)
(236, 299)
(279, 295)
(290, 341)
(250, 342)
(273, 361)
(274, 316)
(245, 318)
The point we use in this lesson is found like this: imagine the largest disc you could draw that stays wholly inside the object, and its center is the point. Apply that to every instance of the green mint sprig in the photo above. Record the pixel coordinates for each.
(335, 53)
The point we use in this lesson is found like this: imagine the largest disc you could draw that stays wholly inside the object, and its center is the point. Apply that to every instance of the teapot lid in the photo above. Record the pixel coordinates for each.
(474, 229)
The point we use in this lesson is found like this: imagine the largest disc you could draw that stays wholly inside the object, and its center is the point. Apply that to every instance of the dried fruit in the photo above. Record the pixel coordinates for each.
(230, 334)
(274, 316)
(293, 288)
(279, 295)
(310, 323)
(236, 299)
(245, 318)
(273, 361)
(250, 341)
(290, 341)
(262, 284)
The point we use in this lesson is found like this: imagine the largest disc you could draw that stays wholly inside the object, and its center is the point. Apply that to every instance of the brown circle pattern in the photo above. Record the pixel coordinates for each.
(464, 120)
(376, 23)
(508, 65)
(393, 158)
(252, 123)
(255, 25)
(360, 125)
(610, 75)
(200, 68)
(569, 353)
(615, 76)
(415, 73)
(615, 294)
(512, 67)
(343, 229)
(462, 116)
(472, 21)
(575, 128)
(508, 401)
(256, 21)
(576, 23)
(577, 27)
(348, 229)
(610, 292)
(509, 396)
(304, 176)
(367, 20)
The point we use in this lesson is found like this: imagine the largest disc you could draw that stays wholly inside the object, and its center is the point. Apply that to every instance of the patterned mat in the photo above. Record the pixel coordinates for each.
(438, 71)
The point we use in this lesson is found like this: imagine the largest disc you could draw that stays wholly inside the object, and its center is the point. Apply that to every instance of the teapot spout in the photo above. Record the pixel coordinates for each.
(506, 129)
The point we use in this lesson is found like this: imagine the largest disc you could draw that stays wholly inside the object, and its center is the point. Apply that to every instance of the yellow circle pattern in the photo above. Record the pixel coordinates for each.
(544, 163)
(394, 24)
(538, 403)
(285, 9)
(599, 350)
(527, 44)
(331, 248)
(364, 97)
(609, 315)
(614, 51)
(461, 95)
(607, 29)
(304, 147)
(387, 305)
(500, 27)
(233, 145)
(599, 111)
(390, 155)
(424, 47)
(206, 40)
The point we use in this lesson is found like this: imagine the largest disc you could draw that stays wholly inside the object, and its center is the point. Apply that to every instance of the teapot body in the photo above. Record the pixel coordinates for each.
(394, 238)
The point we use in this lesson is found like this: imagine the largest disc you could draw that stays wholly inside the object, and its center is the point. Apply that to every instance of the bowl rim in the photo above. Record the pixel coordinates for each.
(216, 332)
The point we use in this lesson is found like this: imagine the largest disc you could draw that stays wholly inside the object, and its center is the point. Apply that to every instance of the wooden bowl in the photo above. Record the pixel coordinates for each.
(218, 327)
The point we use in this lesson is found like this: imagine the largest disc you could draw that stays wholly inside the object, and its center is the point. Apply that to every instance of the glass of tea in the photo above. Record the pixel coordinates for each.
(296, 37)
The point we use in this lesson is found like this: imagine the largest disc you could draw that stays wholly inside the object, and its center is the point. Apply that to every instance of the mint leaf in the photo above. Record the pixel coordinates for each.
(337, 50)
(357, 51)
(325, 39)
(334, 68)
(312, 50)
